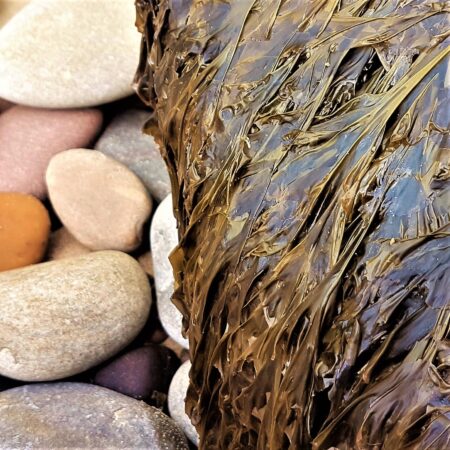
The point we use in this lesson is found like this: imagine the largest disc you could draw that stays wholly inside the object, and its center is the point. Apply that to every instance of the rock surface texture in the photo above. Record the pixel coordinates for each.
(76, 415)
(69, 54)
(62, 317)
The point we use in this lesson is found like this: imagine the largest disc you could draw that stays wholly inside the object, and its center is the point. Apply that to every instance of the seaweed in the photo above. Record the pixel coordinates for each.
(308, 149)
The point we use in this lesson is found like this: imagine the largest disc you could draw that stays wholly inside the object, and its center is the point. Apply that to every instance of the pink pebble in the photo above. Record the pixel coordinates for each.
(29, 137)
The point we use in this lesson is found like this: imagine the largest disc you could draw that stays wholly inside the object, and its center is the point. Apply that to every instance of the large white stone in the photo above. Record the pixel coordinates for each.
(69, 53)
(83, 416)
(62, 317)
(163, 239)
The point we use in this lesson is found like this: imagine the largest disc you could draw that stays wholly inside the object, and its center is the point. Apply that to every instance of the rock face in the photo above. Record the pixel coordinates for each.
(63, 54)
(143, 373)
(177, 395)
(101, 202)
(124, 141)
(63, 245)
(29, 137)
(24, 230)
(163, 239)
(68, 415)
(62, 317)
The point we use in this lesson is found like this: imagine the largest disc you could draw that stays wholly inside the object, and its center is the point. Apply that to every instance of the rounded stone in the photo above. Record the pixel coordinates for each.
(29, 137)
(101, 202)
(69, 54)
(78, 415)
(177, 396)
(61, 318)
(125, 141)
(143, 373)
(24, 230)
(163, 239)
(63, 245)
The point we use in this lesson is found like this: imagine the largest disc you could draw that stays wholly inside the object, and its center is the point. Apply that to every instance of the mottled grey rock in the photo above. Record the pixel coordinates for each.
(163, 239)
(62, 317)
(177, 395)
(68, 54)
(99, 200)
(124, 141)
(77, 415)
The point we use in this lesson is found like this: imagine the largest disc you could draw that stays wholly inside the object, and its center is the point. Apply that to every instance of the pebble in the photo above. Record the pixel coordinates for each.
(101, 202)
(143, 373)
(125, 141)
(163, 239)
(29, 137)
(78, 415)
(9, 9)
(177, 396)
(146, 262)
(63, 245)
(60, 318)
(24, 230)
(69, 54)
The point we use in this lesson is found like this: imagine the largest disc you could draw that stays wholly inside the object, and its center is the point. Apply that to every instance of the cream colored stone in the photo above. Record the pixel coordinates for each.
(100, 201)
(60, 318)
(69, 53)
(83, 416)
(63, 245)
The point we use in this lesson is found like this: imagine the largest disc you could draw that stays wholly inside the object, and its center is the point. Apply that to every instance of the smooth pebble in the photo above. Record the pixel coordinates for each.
(78, 415)
(177, 396)
(61, 318)
(63, 245)
(125, 141)
(30, 137)
(163, 239)
(99, 200)
(69, 54)
(24, 230)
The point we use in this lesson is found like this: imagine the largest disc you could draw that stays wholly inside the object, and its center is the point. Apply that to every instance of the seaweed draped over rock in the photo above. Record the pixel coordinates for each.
(307, 143)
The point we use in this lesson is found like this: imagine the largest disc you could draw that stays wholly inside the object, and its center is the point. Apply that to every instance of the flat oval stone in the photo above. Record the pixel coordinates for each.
(78, 415)
(24, 230)
(176, 401)
(69, 54)
(62, 317)
(29, 137)
(125, 141)
(99, 200)
(163, 239)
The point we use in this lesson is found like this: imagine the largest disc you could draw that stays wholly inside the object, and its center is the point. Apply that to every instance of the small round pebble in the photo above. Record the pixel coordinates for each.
(177, 396)
(78, 415)
(29, 137)
(125, 141)
(99, 200)
(63, 245)
(69, 54)
(163, 239)
(143, 373)
(24, 230)
(61, 318)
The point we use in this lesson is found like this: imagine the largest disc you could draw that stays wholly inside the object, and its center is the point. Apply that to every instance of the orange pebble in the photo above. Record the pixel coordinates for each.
(24, 230)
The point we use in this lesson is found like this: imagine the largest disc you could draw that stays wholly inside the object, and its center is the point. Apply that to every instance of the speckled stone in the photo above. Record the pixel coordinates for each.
(99, 200)
(62, 317)
(163, 239)
(30, 137)
(77, 415)
(124, 141)
(177, 396)
(68, 54)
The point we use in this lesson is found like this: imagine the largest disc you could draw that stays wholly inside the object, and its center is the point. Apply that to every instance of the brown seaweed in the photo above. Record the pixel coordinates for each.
(308, 148)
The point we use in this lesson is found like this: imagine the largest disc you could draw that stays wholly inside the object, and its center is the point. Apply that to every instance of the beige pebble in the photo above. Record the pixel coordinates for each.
(60, 318)
(99, 200)
(63, 245)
